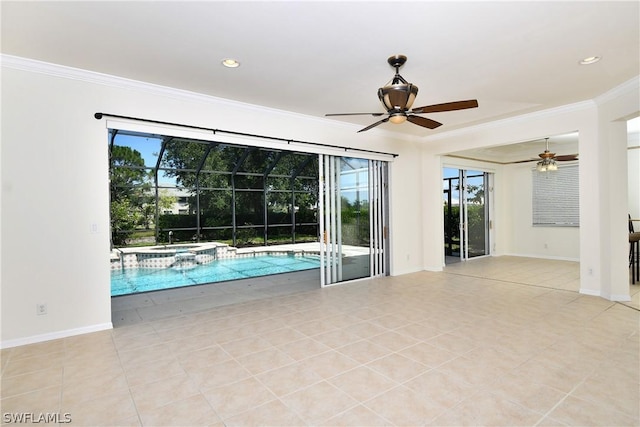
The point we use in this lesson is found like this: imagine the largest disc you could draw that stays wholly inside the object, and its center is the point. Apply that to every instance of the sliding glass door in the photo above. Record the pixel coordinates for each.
(466, 214)
(353, 218)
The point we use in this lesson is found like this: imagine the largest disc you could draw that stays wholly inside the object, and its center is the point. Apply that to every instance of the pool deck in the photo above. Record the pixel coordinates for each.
(306, 247)
(347, 250)
(163, 256)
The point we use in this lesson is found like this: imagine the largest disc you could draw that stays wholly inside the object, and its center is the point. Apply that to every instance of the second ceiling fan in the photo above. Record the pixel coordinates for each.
(548, 159)
(397, 97)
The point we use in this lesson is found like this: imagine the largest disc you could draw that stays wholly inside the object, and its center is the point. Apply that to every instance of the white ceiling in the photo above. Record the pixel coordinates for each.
(328, 56)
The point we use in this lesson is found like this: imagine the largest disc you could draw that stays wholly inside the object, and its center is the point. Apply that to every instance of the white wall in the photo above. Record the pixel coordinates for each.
(524, 239)
(613, 110)
(407, 214)
(53, 192)
(55, 211)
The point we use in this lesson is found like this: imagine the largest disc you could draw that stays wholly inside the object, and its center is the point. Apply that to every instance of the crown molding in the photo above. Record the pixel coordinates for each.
(541, 114)
(63, 71)
(632, 85)
(55, 70)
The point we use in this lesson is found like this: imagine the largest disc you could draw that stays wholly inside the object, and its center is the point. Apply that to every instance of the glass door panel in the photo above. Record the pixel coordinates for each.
(353, 218)
(451, 203)
(476, 218)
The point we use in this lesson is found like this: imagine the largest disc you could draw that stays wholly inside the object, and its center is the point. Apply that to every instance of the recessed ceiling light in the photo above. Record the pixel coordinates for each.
(589, 60)
(230, 63)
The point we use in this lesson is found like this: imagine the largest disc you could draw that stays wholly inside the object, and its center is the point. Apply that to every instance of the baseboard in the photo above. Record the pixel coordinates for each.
(55, 335)
(615, 297)
(590, 292)
(620, 298)
(557, 258)
(411, 271)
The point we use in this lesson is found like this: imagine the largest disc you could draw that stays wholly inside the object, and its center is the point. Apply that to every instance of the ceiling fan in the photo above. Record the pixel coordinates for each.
(397, 97)
(549, 159)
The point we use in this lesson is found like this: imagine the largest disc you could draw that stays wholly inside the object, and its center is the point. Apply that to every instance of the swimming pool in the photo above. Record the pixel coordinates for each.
(136, 280)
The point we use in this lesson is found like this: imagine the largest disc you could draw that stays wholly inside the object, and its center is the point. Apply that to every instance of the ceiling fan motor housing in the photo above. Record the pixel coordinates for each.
(398, 96)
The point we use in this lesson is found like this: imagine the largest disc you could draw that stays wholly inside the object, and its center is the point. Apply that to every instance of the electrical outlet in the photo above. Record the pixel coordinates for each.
(41, 309)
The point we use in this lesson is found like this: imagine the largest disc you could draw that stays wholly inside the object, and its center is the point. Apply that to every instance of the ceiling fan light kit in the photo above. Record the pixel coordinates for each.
(548, 162)
(397, 118)
(397, 97)
(545, 165)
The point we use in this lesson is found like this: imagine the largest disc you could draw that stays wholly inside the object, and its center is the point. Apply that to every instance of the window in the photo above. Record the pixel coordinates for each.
(556, 201)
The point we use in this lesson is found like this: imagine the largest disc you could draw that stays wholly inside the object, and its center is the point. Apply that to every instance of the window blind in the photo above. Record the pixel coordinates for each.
(556, 200)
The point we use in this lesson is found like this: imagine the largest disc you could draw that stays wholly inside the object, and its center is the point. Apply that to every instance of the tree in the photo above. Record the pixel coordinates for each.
(475, 193)
(129, 192)
(127, 172)
(123, 221)
(165, 200)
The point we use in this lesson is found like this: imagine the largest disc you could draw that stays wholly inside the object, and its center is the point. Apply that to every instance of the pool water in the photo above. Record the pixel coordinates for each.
(136, 280)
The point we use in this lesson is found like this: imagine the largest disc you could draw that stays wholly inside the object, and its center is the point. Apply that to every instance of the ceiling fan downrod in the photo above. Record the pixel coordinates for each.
(397, 95)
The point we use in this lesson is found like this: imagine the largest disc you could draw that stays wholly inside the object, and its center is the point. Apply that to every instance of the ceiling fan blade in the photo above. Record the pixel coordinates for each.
(424, 122)
(522, 161)
(563, 158)
(386, 119)
(447, 106)
(566, 158)
(356, 114)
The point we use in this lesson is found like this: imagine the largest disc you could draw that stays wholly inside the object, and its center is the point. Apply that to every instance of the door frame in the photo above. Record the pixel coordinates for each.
(488, 182)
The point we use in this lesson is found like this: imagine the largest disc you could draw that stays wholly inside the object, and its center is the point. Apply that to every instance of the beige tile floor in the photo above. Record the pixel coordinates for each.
(499, 341)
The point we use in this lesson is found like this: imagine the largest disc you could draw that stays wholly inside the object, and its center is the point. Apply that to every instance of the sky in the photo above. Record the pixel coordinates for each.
(149, 148)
